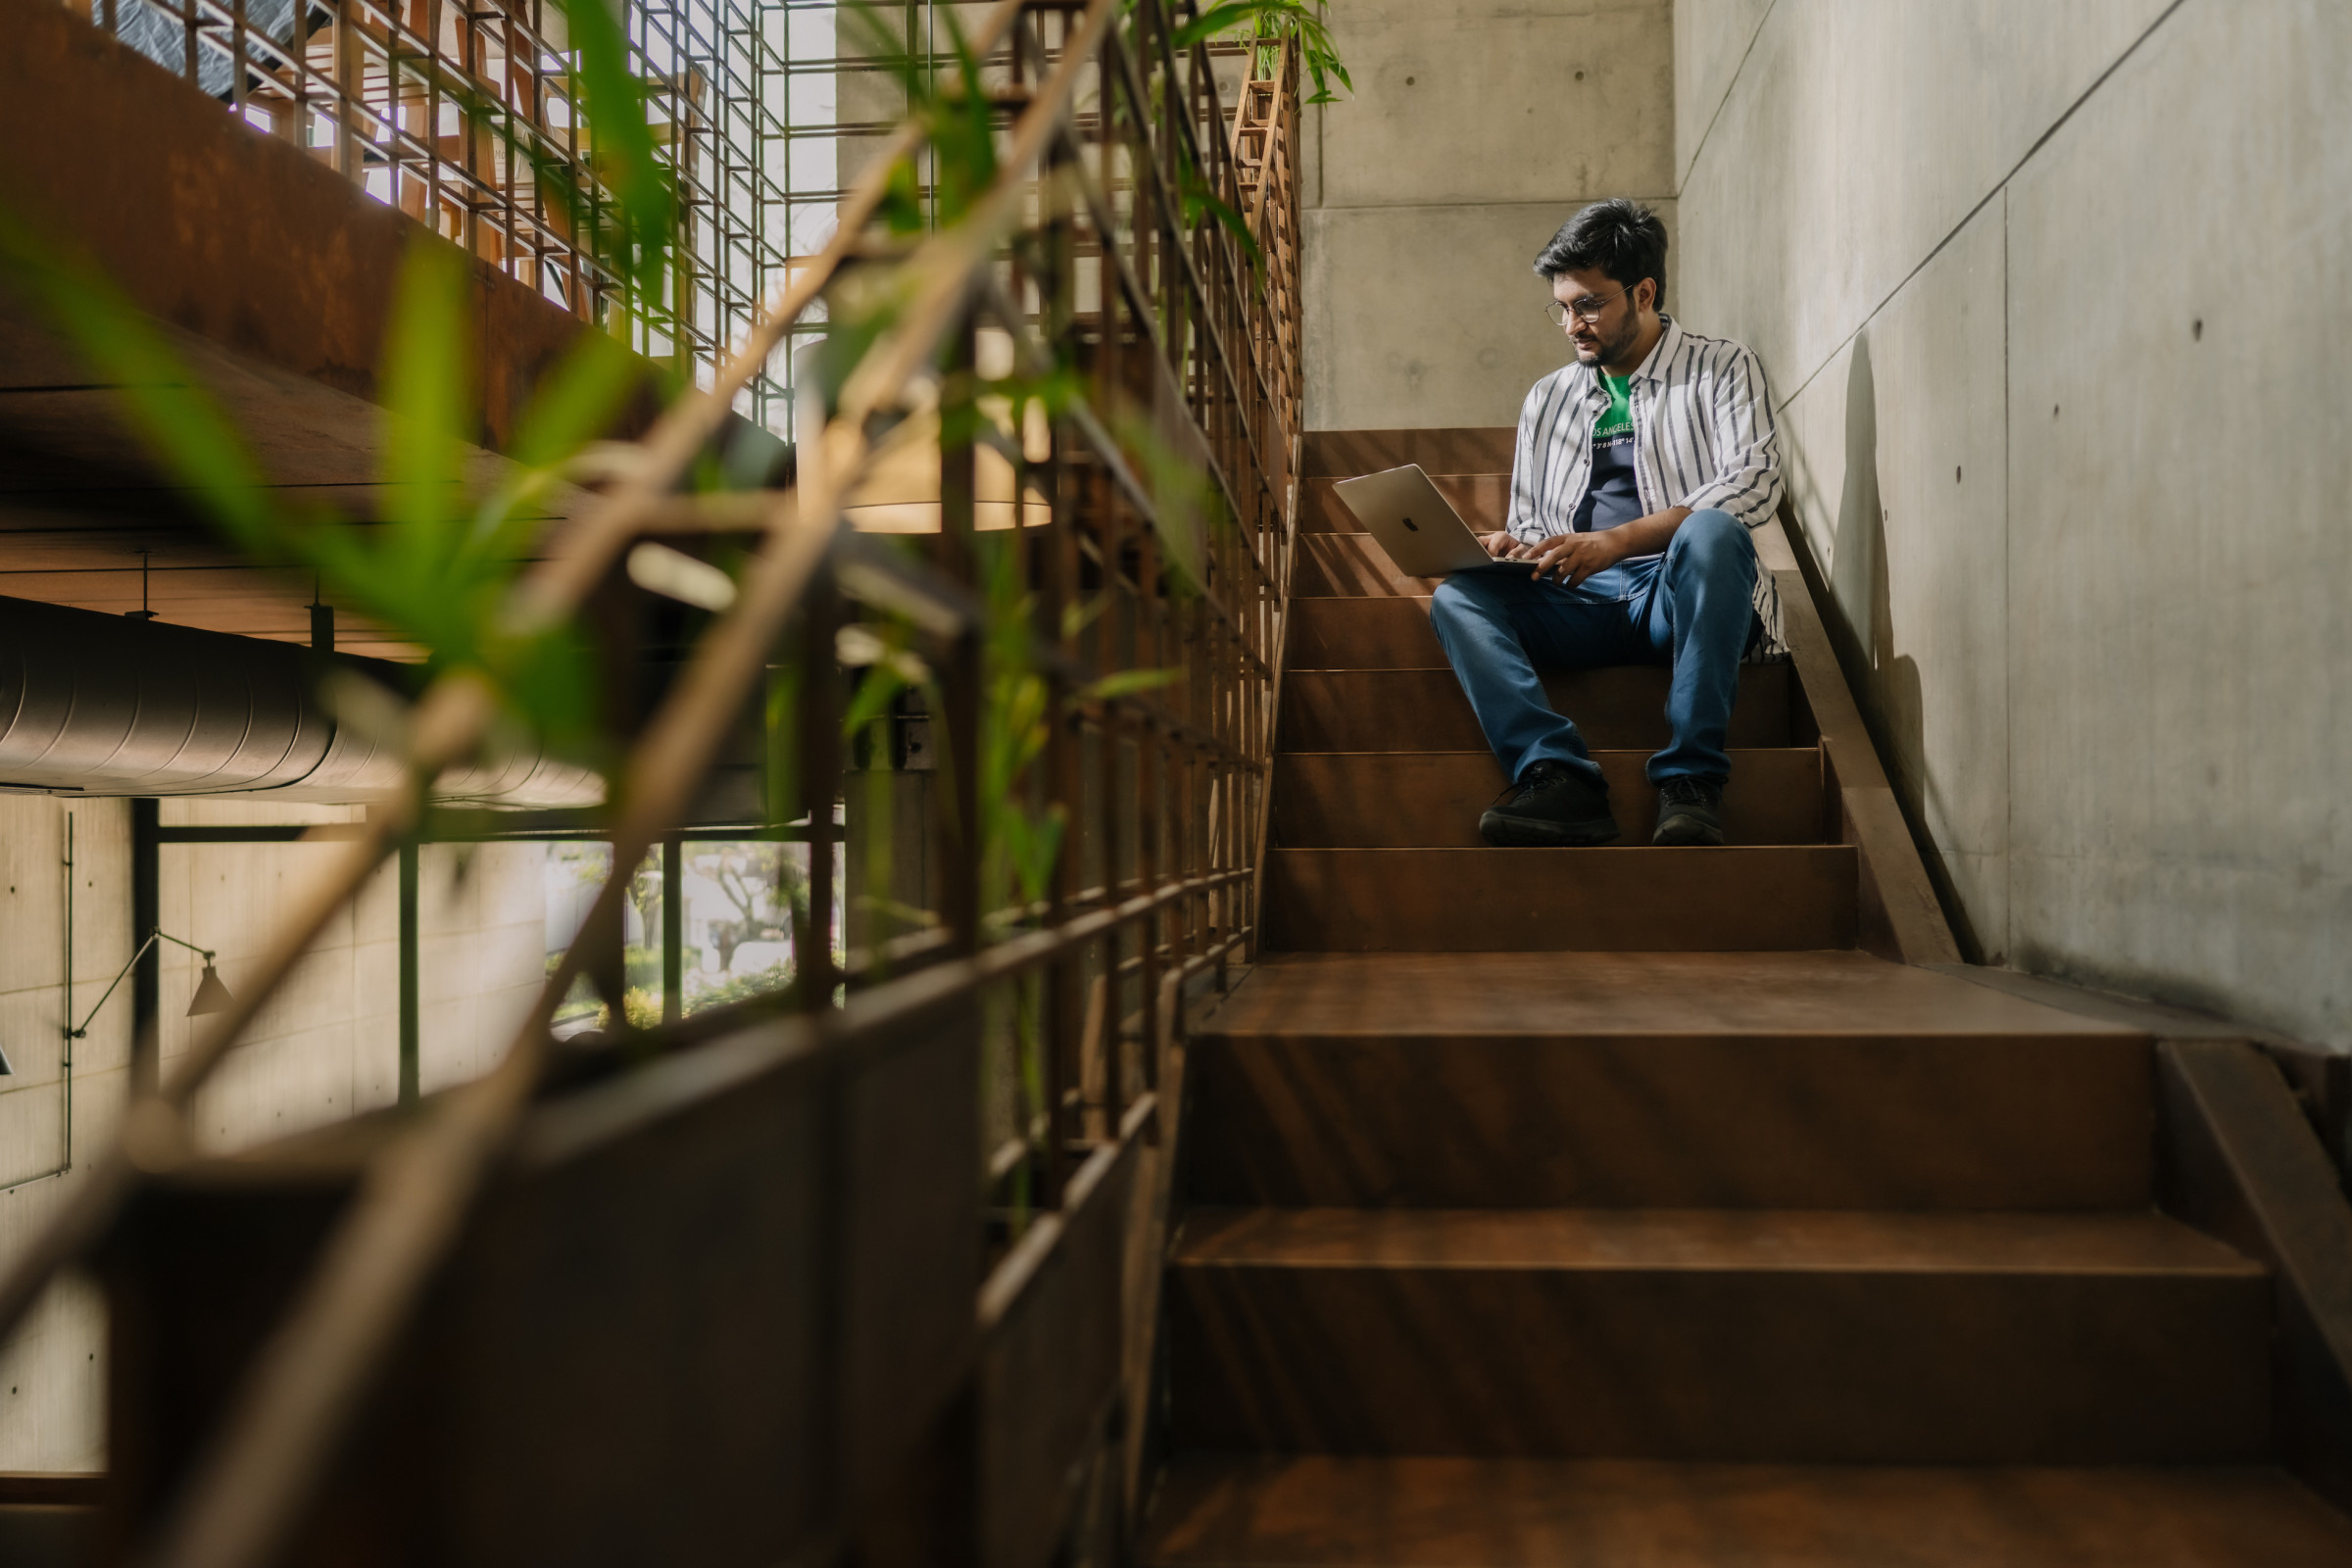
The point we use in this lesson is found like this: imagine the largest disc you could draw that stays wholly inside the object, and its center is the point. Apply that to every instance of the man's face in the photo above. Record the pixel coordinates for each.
(1615, 323)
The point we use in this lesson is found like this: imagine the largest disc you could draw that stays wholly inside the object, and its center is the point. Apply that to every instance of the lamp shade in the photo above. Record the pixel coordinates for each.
(211, 995)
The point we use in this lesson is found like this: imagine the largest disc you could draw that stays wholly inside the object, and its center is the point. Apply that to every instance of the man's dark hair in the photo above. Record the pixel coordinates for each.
(1621, 237)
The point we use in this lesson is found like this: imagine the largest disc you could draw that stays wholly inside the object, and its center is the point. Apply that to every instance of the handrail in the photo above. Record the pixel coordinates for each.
(1205, 807)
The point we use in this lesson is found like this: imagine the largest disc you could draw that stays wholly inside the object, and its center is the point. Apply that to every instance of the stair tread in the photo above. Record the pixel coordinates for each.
(1614, 993)
(1705, 1240)
(1311, 1512)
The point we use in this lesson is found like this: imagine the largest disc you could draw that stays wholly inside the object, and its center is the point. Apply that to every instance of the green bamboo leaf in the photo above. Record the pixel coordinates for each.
(1200, 201)
(1222, 18)
(426, 389)
(1126, 683)
(876, 690)
(577, 402)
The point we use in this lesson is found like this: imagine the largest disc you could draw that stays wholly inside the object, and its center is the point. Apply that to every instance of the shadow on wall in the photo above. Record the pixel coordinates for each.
(1858, 610)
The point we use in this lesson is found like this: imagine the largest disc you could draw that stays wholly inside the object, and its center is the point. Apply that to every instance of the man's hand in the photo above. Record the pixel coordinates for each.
(1501, 545)
(1573, 557)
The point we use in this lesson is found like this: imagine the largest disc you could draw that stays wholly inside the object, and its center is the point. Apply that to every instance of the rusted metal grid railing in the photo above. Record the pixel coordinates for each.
(470, 119)
(1111, 381)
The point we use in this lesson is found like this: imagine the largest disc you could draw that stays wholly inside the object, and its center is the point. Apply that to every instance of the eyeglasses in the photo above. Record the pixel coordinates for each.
(1587, 308)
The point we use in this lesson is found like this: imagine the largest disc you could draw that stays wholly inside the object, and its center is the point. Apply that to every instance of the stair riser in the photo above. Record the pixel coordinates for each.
(1471, 449)
(1432, 800)
(1480, 500)
(1826, 1368)
(1349, 564)
(1546, 901)
(1362, 634)
(1962, 1122)
(1622, 709)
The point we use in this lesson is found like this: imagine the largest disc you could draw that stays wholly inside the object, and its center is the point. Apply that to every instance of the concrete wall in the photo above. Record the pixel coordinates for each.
(52, 1394)
(2053, 300)
(326, 1047)
(1476, 127)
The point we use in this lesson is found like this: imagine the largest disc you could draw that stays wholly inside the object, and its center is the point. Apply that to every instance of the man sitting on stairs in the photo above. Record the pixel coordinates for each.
(1641, 467)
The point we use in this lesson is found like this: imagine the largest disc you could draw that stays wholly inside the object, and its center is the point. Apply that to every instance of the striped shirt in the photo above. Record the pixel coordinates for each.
(1704, 436)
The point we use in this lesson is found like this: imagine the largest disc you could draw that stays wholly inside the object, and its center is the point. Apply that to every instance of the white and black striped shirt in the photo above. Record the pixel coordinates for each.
(1704, 436)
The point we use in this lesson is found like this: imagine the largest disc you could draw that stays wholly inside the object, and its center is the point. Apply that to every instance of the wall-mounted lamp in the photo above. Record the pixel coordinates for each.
(211, 995)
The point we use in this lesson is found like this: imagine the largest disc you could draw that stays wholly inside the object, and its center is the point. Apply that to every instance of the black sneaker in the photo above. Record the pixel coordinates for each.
(1552, 805)
(1687, 811)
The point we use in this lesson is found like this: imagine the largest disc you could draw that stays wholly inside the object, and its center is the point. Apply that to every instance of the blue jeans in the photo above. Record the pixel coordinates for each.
(1692, 609)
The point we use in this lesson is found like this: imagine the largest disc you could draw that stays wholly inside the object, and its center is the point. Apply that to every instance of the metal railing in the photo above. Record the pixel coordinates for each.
(1087, 339)
(470, 119)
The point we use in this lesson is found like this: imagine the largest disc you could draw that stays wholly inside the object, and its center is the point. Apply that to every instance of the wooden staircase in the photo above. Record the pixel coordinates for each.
(1638, 1206)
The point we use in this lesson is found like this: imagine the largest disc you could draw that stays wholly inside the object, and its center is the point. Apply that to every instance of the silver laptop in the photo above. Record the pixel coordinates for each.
(1415, 524)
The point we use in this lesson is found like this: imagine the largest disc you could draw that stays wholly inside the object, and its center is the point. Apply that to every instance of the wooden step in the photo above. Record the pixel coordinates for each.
(1758, 898)
(1227, 1512)
(1799, 1080)
(1359, 633)
(1346, 565)
(1472, 449)
(1623, 708)
(1432, 800)
(1761, 1335)
(1481, 500)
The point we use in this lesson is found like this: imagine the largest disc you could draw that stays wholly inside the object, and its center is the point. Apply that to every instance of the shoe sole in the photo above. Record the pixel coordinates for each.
(1686, 834)
(1507, 833)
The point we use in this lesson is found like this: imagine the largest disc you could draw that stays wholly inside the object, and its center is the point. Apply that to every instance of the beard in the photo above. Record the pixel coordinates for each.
(1613, 346)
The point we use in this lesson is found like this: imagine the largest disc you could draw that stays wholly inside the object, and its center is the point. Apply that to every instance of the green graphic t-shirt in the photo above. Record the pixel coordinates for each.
(1611, 496)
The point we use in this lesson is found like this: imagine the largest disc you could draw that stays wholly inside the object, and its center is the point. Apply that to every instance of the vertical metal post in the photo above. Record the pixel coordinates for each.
(237, 58)
(673, 929)
(820, 776)
(65, 1060)
(407, 975)
(147, 974)
(959, 857)
(1065, 1034)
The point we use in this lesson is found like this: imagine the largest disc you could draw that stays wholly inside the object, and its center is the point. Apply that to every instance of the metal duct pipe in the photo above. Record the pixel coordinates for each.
(100, 705)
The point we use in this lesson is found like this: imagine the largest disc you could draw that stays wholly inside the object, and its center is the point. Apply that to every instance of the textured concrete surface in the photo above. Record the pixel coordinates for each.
(1856, 138)
(1420, 316)
(1477, 127)
(52, 1392)
(1711, 39)
(1898, 460)
(2053, 300)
